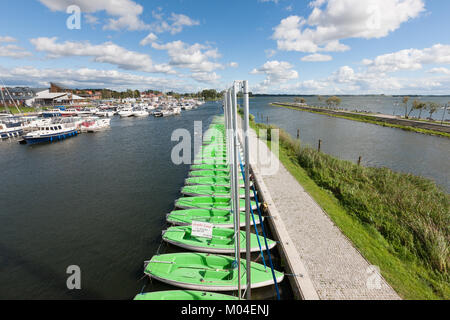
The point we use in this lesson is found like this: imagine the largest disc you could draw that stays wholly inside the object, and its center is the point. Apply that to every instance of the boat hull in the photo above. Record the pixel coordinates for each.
(11, 134)
(222, 241)
(50, 138)
(184, 295)
(219, 218)
(205, 272)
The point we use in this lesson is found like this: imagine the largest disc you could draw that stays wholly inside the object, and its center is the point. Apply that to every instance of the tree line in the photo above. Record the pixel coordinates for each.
(430, 106)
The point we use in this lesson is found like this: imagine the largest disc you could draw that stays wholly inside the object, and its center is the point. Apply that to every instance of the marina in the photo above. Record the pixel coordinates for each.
(248, 156)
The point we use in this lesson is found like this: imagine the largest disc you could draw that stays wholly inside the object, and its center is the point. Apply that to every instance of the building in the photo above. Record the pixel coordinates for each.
(51, 99)
(17, 96)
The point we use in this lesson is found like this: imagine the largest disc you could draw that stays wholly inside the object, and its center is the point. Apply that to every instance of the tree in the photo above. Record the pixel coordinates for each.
(405, 102)
(432, 108)
(333, 101)
(210, 94)
(300, 100)
(417, 105)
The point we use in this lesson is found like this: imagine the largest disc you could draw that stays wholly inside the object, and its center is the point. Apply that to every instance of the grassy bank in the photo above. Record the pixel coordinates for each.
(369, 119)
(399, 222)
(14, 110)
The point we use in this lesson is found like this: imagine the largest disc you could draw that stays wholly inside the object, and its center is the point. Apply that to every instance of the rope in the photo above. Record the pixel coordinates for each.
(253, 218)
(265, 237)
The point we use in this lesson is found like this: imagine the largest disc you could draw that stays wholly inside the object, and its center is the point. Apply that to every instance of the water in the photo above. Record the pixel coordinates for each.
(97, 201)
(379, 104)
(402, 151)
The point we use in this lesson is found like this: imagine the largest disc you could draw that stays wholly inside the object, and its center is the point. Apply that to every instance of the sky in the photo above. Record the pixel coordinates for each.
(279, 46)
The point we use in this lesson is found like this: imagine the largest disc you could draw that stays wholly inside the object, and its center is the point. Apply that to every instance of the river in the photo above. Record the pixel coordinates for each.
(98, 201)
(400, 150)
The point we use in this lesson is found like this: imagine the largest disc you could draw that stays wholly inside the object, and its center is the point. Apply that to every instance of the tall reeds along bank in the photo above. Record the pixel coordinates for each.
(412, 215)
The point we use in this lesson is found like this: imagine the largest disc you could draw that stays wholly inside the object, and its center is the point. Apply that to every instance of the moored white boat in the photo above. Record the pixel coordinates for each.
(126, 112)
(105, 113)
(138, 112)
(95, 125)
(52, 132)
(9, 132)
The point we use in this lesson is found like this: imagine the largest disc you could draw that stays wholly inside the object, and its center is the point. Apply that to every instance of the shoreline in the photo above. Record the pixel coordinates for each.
(410, 274)
(382, 120)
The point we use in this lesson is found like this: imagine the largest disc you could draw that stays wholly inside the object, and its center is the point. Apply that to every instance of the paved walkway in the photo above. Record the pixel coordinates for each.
(335, 267)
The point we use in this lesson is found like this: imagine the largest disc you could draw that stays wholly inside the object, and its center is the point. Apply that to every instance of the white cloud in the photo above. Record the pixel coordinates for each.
(317, 57)
(339, 19)
(149, 39)
(174, 24)
(206, 77)
(13, 51)
(270, 53)
(276, 72)
(107, 52)
(91, 19)
(233, 64)
(7, 39)
(126, 13)
(196, 57)
(440, 70)
(409, 59)
(90, 78)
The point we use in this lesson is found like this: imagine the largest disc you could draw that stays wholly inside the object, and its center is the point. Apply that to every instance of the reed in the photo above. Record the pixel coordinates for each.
(398, 221)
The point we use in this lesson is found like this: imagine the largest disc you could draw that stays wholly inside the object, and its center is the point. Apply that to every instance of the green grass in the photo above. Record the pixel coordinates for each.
(369, 119)
(399, 222)
(13, 110)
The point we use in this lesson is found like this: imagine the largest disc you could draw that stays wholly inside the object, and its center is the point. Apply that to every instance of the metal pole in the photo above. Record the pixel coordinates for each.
(236, 184)
(247, 187)
(443, 115)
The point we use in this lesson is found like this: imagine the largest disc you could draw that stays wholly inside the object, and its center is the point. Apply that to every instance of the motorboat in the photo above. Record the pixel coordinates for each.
(139, 112)
(7, 131)
(126, 112)
(105, 113)
(176, 110)
(95, 125)
(52, 132)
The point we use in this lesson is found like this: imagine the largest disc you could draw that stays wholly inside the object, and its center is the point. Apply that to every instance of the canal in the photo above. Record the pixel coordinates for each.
(399, 150)
(97, 201)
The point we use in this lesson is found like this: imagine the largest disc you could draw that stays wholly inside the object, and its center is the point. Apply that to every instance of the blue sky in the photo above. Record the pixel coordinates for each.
(280, 46)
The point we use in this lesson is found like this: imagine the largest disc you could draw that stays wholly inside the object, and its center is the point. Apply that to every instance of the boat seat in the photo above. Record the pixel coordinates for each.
(215, 274)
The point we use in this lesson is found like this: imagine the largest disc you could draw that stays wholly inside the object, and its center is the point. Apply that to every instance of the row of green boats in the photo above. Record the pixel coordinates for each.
(209, 266)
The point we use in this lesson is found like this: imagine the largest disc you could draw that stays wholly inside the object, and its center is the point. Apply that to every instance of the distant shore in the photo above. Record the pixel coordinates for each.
(425, 127)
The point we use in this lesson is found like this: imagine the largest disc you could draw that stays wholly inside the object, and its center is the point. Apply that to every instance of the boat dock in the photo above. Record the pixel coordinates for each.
(316, 259)
(324, 264)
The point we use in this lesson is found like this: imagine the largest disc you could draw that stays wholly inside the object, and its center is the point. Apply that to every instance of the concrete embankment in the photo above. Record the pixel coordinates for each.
(322, 262)
(371, 117)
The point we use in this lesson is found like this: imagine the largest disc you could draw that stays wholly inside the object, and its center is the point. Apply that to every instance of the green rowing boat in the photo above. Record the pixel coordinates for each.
(222, 240)
(211, 181)
(217, 217)
(209, 173)
(214, 167)
(183, 295)
(202, 271)
(209, 191)
(210, 203)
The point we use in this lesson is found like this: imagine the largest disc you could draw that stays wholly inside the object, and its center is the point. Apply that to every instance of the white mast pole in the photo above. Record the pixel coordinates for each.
(247, 185)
